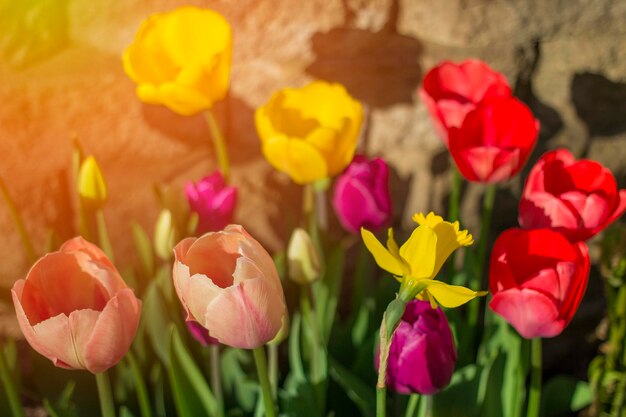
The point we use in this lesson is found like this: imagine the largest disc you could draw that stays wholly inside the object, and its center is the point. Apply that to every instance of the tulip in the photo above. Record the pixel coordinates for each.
(451, 90)
(577, 198)
(74, 308)
(538, 279)
(310, 133)
(303, 258)
(181, 59)
(422, 355)
(361, 197)
(164, 235)
(494, 141)
(91, 186)
(227, 282)
(421, 257)
(213, 201)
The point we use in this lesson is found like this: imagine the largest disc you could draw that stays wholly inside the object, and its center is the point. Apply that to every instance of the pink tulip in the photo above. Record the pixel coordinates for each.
(451, 90)
(75, 309)
(577, 198)
(213, 201)
(361, 197)
(228, 283)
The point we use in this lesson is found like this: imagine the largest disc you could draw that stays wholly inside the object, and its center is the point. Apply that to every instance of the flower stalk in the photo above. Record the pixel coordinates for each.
(534, 397)
(9, 387)
(107, 407)
(221, 151)
(266, 389)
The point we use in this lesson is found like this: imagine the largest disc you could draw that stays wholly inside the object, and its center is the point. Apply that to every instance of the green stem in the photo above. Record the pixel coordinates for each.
(429, 405)
(216, 380)
(453, 211)
(272, 354)
(27, 242)
(411, 407)
(103, 235)
(476, 280)
(140, 385)
(261, 366)
(381, 401)
(9, 387)
(219, 143)
(107, 407)
(534, 398)
(309, 316)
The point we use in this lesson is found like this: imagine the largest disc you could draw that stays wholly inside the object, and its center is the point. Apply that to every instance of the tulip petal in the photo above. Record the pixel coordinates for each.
(420, 252)
(255, 312)
(382, 256)
(450, 296)
(113, 332)
(532, 314)
(301, 161)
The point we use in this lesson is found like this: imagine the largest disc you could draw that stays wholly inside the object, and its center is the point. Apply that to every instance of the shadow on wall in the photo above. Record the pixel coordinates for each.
(379, 68)
(601, 105)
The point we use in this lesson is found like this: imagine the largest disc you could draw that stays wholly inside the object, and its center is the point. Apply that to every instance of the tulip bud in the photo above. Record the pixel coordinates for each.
(303, 258)
(422, 354)
(164, 235)
(91, 186)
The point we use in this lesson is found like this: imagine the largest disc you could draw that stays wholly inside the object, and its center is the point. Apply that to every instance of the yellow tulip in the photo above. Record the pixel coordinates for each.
(181, 59)
(310, 133)
(419, 259)
(91, 186)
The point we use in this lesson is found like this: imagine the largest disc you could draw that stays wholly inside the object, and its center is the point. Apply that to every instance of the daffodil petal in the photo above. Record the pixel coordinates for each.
(382, 256)
(420, 252)
(395, 251)
(450, 296)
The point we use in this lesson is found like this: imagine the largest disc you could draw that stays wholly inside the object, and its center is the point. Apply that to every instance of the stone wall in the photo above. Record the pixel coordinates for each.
(61, 78)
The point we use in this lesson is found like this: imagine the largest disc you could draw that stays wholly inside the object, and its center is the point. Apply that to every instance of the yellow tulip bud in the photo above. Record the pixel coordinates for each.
(303, 258)
(164, 235)
(92, 188)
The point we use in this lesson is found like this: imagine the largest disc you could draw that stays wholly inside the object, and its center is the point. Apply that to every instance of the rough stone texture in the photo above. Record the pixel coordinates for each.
(566, 59)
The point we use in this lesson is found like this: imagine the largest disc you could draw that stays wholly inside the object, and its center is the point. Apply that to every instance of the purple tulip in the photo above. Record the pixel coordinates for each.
(214, 202)
(361, 197)
(422, 354)
(200, 334)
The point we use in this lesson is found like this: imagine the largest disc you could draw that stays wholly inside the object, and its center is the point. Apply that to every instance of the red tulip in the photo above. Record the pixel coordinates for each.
(494, 141)
(451, 90)
(75, 309)
(538, 279)
(577, 198)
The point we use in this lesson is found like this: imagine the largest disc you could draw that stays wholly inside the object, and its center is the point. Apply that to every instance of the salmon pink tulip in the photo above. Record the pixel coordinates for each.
(538, 279)
(451, 90)
(228, 283)
(494, 141)
(75, 309)
(577, 198)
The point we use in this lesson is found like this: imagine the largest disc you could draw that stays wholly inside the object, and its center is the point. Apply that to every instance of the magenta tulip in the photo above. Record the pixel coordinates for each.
(213, 201)
(422, 354)
(361, 197)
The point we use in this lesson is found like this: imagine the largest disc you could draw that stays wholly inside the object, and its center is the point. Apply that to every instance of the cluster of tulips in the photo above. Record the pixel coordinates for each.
(75, 308)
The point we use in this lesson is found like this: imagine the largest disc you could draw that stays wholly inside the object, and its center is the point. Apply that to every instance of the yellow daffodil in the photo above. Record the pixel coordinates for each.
(181, 59)
(310, 133)
(416, 263)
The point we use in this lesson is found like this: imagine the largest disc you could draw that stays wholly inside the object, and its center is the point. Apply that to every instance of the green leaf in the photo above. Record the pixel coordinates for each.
(235, 380)
(359, 392)
(460, 398)
(125, 412)
(143, 248)
(192, 395)
(331, 283)
(563, 394)
(155, 319)
(295, 355)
